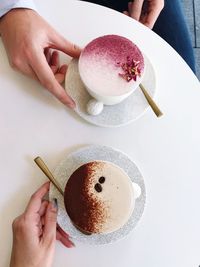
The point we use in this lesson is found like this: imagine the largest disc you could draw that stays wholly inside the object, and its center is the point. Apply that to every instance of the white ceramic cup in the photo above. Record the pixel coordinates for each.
(112, 99)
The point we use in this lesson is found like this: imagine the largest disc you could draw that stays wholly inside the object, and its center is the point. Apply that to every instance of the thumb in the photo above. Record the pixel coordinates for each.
(50, 221)
(60, 43)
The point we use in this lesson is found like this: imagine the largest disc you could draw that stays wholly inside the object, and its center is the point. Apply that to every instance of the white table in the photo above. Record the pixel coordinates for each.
(167, 150)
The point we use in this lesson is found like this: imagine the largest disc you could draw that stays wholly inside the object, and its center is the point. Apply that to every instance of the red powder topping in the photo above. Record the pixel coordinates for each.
(131, 69)
(114, 49)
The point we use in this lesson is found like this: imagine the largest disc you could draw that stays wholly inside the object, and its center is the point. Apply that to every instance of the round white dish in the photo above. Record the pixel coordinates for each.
(112, 116)
(90, 153)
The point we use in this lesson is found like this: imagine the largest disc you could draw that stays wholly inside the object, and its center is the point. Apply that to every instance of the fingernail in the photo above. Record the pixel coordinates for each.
(55, 203)
(76, 47)
(72, 245)
(72, 105)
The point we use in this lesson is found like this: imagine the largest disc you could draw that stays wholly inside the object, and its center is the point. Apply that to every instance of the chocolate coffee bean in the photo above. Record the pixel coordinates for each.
(102, 180)
(98, 187)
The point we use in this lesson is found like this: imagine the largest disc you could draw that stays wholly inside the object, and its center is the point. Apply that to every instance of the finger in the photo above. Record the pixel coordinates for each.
(126, 13)
(55, 59)
(60, 75)
(36, 199)
(54, 69)
(130, 7)
(63, 233)
(50, 221)
(152, 16)
(65, 241)
(39, 229)
(47, 52)
(47, 79)
(40, 232)
(63, 69)
(43, 220)
(30, 73)
(60, 43)
(43, 208)
(54, 62)
(136, 9)
(42, 223)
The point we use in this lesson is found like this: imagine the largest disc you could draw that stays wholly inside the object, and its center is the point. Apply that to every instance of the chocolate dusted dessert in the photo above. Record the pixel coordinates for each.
(99, 197)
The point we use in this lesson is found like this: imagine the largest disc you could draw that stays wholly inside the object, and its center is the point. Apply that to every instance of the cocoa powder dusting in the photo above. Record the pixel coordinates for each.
(81, 203)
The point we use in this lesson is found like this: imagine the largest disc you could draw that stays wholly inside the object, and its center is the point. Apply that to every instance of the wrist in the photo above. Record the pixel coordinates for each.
(8, 17)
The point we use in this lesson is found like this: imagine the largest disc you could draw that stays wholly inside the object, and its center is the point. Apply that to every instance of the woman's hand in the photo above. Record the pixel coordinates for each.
(35, 233)
(145, 11)
(27, 38)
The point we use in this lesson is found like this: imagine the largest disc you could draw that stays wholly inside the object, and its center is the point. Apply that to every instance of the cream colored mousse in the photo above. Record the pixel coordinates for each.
(99, 197)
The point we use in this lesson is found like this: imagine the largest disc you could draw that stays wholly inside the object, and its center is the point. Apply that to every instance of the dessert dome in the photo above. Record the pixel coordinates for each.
(111, 65)
(99, 197)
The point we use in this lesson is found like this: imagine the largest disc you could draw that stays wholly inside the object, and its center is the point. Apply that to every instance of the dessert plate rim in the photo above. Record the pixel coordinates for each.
(84, 155)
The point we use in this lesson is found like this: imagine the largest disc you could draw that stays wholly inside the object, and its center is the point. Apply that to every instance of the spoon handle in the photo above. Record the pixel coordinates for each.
(48, 173)
(151, 102)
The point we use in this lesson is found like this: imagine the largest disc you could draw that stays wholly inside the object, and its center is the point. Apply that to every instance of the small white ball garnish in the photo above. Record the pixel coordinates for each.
(137, 190)
(94, 107)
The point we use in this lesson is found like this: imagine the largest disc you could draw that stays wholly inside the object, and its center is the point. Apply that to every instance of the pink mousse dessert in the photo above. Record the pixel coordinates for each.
(111, 68)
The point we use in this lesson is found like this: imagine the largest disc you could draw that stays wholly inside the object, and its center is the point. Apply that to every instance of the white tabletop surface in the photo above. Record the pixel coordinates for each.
(166, 150)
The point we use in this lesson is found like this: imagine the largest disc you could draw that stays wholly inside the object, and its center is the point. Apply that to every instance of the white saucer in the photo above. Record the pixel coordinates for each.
(112, 116)
(74, 160)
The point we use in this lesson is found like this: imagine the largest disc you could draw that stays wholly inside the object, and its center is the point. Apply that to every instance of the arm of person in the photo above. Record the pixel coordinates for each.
(145, 11)
(35, 233)
(29, 51)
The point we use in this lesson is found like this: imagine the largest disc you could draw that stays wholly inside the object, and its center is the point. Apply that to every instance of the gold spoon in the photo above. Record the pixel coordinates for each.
(48, 173)
(151, 102)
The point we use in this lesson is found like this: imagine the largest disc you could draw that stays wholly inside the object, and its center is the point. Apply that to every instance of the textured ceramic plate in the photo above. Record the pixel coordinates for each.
(85, 155)
(112, 116)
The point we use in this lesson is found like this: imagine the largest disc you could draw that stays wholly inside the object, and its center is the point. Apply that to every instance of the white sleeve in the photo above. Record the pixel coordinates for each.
(7, 5)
